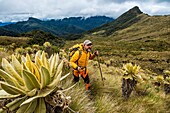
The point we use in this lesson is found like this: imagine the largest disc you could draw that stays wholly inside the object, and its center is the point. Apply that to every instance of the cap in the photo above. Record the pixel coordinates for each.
(87, 42)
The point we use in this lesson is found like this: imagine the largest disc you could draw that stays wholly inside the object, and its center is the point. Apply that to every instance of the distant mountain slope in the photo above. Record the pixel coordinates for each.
(61, 27)
(125, 20)
(4, 32)
(134, 37)
(6, 23)
(40, 37)
(134, 25)
(148, 29)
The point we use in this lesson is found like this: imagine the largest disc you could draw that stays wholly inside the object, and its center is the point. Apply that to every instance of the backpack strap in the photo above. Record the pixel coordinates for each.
(71, 54)
(80, 53)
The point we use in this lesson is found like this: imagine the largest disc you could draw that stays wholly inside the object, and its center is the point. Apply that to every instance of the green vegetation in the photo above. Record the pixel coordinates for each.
(145, 42)
(59, 27)
(19, 41)
(138, 49)
(40, 37)
(31, 86)
(146, 97)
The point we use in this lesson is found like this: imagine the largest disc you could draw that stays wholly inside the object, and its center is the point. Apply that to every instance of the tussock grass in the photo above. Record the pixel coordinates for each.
(3, 55)
(81, 101)
(137, 43)
(108, 98)
(145, 44)
(19, 41)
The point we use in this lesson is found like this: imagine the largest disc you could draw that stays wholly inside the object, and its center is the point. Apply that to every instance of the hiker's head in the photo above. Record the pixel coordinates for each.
(87, 45)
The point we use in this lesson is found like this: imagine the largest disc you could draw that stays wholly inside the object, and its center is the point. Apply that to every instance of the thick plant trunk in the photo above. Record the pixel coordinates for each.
(167, 88)
(52, 109)
(48, 50)
(127, 87)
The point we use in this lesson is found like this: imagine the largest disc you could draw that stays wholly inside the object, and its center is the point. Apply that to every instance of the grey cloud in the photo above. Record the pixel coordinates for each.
(22, 9)
(163, 0)
(121, 1)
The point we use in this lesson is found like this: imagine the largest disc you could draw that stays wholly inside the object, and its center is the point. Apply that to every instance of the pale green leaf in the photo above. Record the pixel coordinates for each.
(45, 77)
(32, 92)
(25, 67)
(17, 65)
(4, 94)
(50, 59)
(45, 61)
(41, 93)
(28, 108)
(55, 81)
(52, 64)
(36, 71)
(10, 70)
(15, 103)
(30, 80)
(23, 59)
(41, 108)
(7, 77)
(28, 62)
(54, 61)
(38, 62)
(57, 60)
(10, 79)
(38, 54)
(59, 68)
(11, 89)
(63, 77)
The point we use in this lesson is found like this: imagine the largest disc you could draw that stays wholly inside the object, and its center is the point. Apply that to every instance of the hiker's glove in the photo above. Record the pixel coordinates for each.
(78, 68)
(96, 53)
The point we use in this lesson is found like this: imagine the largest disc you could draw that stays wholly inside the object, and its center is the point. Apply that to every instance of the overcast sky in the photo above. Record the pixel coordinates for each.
(19, 10)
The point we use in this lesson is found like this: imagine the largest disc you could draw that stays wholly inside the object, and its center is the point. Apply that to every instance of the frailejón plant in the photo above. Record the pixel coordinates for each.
(130, 78)
(28, 83)
(167, 81)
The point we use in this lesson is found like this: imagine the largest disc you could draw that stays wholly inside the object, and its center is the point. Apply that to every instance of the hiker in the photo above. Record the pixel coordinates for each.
(79, 62)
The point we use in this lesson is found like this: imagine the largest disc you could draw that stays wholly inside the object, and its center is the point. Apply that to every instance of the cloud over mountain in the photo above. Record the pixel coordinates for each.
(18, 10)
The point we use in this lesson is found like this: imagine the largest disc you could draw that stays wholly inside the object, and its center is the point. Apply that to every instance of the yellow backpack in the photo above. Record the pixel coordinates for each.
(73, 49)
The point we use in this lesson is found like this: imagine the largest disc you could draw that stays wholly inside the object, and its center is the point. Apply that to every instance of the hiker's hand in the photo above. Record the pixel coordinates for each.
(78, 68)
(96, 53)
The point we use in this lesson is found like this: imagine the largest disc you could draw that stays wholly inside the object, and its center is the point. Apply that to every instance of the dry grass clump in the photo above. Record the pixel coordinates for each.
(3, 55)
(106, 104)
(19, 41)
(107, 97)
(80, 99)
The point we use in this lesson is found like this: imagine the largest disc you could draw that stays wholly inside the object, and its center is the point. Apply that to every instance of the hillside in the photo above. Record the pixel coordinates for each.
(6, 23)
(4, 32)
(60, 27)
(140, 39)
(133, 37)
(125, 20)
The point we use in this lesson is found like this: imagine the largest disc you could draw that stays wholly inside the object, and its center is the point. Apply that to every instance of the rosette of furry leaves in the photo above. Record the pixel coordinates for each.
(28, 83)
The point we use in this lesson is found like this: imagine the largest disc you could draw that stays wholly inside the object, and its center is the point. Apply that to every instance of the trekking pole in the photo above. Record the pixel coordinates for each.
(100, 69)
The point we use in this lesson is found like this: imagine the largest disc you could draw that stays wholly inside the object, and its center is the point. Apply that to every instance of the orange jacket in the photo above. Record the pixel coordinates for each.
(81, 60)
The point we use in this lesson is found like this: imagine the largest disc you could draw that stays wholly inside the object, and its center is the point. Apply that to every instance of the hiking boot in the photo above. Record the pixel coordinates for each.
(87, 86)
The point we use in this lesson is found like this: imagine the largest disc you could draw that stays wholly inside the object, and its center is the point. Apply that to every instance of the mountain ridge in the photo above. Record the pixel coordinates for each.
(60, 27)
(140, 39)
(125, 20)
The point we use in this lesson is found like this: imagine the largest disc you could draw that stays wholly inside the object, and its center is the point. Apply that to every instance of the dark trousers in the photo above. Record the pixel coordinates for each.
(86, 79)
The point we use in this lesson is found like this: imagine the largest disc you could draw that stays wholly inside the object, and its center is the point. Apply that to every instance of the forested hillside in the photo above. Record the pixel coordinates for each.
(59, 27)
